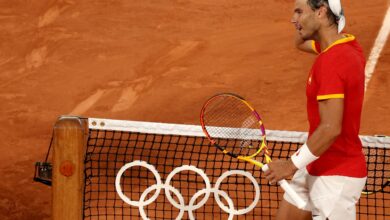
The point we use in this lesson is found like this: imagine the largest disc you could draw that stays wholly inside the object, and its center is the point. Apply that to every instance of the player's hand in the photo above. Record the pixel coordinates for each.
(278, 170)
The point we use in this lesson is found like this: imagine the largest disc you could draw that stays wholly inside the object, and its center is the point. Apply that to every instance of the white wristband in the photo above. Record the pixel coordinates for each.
(303, 157)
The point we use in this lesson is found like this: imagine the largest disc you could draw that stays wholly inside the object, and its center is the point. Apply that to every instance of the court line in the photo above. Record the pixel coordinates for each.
(377, 48)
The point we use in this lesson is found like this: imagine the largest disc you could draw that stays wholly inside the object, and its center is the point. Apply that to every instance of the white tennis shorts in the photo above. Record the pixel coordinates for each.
(332, 197)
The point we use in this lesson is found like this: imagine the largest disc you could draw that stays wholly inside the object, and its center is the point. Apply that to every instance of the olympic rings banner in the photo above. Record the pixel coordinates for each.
(180, 205)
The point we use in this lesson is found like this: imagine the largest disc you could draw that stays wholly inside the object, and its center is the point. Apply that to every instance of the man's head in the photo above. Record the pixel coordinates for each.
(317, 4)
(312, 15)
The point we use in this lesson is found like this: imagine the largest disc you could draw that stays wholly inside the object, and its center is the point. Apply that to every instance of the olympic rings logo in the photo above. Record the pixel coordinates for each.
(181, 205)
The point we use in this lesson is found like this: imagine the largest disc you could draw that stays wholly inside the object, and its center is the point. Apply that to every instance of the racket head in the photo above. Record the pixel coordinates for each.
(233, 125)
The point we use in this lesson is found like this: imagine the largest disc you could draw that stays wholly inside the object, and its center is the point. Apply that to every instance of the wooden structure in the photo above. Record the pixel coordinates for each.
(70, 135)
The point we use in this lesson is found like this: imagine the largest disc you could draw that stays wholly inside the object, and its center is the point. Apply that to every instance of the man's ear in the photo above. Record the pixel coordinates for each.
(322, 12)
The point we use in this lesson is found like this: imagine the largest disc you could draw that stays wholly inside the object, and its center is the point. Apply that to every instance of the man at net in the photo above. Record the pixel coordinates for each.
(332, 159)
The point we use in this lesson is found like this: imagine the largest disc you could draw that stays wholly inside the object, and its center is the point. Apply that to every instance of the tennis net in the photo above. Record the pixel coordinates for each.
(139, 170)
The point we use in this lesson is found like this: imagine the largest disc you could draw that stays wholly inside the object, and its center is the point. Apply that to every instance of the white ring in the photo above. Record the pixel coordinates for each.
(255, 184)
(215, 191)
(196, 170)
(118, 183)
(166, 187)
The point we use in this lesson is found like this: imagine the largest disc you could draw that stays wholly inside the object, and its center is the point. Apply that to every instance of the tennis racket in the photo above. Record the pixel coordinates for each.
(234, 127)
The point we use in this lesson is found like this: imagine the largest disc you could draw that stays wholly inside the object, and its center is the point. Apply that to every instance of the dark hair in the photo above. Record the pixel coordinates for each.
(316, 4)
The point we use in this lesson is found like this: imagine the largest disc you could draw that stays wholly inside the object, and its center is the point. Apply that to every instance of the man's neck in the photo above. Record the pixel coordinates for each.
(327, 36)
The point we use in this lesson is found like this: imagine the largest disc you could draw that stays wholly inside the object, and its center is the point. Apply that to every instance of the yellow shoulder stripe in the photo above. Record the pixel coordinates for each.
(330, 96)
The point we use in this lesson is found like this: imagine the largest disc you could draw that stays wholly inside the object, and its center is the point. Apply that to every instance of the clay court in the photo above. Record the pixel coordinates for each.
(154, 61)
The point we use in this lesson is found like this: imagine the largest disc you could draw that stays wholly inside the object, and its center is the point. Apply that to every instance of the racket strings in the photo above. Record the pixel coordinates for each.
(233, 125)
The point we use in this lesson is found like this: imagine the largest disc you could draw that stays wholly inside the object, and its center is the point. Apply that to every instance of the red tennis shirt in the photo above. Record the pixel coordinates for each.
(338, 72)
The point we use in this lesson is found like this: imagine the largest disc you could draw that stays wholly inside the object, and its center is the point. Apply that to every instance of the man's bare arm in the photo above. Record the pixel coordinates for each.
(331, 113)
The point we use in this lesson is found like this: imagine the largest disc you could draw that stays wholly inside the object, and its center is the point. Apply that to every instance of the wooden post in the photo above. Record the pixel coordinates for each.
(68, 165)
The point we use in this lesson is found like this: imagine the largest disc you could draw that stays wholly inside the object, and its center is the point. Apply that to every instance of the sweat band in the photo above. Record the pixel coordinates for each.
(303, 157)
(335, 7)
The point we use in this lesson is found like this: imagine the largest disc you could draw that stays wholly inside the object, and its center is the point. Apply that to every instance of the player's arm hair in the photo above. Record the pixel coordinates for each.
(304, 45)
(331, 114)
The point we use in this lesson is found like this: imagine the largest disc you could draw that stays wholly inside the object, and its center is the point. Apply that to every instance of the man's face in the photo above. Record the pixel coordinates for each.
(304, 19)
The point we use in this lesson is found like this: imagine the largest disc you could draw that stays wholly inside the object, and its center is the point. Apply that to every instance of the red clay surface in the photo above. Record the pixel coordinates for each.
(153, 61)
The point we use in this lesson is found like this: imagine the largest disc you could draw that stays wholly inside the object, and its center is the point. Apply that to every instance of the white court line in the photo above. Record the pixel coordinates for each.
(378, 47)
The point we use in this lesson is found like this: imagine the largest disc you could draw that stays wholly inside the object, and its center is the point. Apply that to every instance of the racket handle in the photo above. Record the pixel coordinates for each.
(289, 190)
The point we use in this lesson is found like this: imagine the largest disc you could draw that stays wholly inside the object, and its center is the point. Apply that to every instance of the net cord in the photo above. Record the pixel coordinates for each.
(196, 130)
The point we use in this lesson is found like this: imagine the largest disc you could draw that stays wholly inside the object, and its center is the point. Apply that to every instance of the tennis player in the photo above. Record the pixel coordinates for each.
(330, 169)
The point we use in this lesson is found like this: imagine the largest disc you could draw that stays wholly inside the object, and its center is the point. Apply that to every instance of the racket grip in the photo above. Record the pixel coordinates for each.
(289, 190)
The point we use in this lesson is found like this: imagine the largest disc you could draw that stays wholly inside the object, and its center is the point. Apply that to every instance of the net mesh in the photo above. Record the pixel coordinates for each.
(166, 147)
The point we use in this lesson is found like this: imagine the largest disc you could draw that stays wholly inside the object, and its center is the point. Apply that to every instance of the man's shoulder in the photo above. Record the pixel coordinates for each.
(344, 46)
(348, 52)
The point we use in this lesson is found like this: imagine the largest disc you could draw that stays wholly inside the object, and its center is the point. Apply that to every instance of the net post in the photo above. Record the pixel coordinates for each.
(68, 156)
